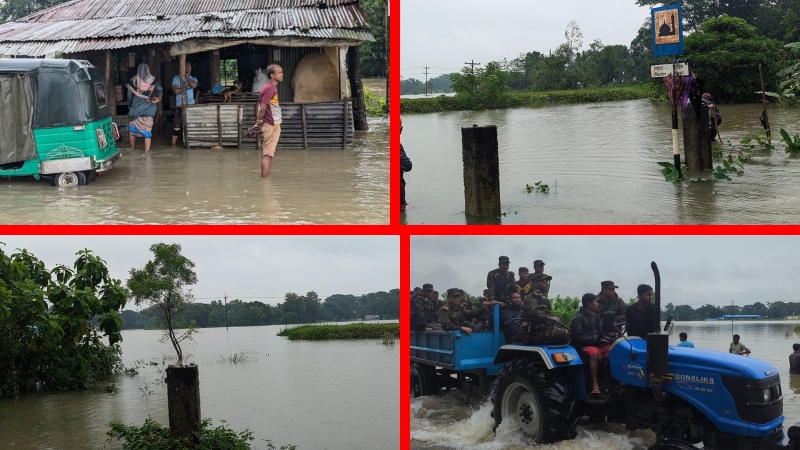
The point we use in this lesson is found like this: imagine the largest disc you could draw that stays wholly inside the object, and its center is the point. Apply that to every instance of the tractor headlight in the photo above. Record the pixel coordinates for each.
(763, 396)
(767, 395)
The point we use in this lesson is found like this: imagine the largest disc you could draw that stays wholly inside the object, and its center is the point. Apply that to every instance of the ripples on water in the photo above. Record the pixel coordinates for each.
(175, 185)
(600, 161)
(449, 422)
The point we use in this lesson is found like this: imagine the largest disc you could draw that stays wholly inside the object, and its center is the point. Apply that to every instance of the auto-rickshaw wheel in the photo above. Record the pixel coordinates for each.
(91, 176)
(68, 179)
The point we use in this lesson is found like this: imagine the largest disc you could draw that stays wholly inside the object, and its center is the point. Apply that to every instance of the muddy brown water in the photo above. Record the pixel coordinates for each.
(450, 422)
(316, 395)
(600, 163)
(175, 185)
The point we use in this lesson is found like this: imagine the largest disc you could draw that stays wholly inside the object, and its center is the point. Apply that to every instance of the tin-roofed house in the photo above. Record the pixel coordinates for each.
(225, 40)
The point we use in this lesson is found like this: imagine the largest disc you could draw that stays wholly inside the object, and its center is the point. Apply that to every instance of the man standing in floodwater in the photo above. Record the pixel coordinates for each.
(737, 347)
(269, 117)
(405, 166)
(794, 360)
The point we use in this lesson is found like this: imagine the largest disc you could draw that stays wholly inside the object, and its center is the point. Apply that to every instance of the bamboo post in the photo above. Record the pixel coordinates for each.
(215, 73)
(219, 127)
(344, 133)
(305, 130)
(184, 98)
(155, 70)
(239, 122)
(764, 101)
(111, 93)
(479, 153)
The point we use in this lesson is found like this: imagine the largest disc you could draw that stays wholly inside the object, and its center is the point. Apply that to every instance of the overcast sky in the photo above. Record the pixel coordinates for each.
(443, 34)
(695, 270)
(243, 266)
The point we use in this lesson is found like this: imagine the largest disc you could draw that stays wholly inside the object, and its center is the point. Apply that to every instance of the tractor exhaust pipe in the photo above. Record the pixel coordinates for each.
(657, 275)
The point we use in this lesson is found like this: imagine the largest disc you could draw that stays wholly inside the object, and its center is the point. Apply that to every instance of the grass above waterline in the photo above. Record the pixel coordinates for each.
(349, 331)
(518, 99)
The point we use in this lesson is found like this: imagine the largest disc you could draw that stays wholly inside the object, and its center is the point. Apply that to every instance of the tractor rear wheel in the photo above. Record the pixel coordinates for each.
(423, 381)
(537, 400)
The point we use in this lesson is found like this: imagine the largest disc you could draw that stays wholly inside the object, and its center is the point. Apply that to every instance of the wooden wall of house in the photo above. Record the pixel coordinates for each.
(304, 125)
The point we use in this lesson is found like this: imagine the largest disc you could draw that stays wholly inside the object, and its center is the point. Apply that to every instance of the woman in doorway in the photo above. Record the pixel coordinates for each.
(143, 97)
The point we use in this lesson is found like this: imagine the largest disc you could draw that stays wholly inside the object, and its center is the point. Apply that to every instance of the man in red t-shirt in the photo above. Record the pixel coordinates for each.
(269, 117)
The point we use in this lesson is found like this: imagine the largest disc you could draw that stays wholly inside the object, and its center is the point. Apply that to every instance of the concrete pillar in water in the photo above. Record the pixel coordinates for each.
(183, 398)
(696, 143)
(481, 170)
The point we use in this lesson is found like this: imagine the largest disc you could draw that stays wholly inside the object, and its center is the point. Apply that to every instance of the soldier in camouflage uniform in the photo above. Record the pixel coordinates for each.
(609, 301)
(539, 326)
(525, 283)
(538, 267)
(418, 321)
(431, 307)
(453, 315)
(498, 280)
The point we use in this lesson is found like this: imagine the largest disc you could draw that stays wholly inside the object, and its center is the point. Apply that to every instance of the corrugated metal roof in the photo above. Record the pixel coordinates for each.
(103, 24)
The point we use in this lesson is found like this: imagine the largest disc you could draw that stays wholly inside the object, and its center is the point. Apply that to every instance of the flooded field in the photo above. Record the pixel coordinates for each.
(174, 185)
(310, 394)
(600, 163)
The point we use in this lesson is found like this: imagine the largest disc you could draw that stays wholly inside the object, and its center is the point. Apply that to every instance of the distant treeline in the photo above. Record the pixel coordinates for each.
(774, 310)
(308, 308)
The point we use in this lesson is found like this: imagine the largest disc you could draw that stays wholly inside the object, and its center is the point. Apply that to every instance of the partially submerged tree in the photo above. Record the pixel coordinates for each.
(47, 338)
(162, 283)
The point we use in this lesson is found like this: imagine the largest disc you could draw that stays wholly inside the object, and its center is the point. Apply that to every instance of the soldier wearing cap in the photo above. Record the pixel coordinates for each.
(610, 301)
(498, 280)
(453, 316)
(537, 310)
(538, 266)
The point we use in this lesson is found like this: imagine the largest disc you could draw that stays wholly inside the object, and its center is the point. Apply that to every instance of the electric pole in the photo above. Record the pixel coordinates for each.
(226, 311)
(472, 65)
(426, 79)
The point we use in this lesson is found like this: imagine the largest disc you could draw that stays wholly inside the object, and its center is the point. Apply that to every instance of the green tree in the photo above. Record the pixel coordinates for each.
(641, 53)
(484, 87)
(726, 53)
(373, 54)
(566, 308)
(162, 283)
(554, 71)
(12, 10)
(56, 346)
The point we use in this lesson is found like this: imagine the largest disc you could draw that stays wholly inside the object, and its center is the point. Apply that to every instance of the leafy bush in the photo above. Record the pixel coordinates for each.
(47, 339)
(153, 436)
(566, 308)
(350, 331)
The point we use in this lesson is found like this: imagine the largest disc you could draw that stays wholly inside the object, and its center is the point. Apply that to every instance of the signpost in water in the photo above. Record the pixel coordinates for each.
(668, 41)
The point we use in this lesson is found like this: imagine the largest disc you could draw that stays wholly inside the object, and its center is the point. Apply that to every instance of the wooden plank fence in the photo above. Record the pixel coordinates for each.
(325, 124)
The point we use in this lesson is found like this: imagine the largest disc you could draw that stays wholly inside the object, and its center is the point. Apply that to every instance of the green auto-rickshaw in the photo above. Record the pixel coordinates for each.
(55, 121)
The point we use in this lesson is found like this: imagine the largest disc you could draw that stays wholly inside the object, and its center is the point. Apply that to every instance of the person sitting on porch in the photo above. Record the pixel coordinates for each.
(143, 97)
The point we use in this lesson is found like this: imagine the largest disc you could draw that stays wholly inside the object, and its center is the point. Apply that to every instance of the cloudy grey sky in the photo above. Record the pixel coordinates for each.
(443, 34)
(243, 266)
(695, 270)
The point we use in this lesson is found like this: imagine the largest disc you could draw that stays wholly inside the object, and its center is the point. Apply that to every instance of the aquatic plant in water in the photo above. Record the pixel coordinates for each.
(537, 187)
(792, 142)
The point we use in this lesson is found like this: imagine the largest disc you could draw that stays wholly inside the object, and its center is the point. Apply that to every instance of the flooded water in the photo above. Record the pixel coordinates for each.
(316, 395)
(600, 163)
(449, 422)
(175, 185)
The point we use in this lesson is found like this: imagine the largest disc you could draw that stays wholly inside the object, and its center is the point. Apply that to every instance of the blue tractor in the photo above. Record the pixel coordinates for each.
(685, 395)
